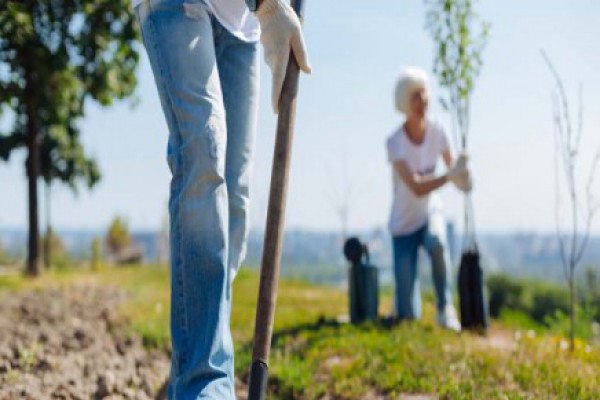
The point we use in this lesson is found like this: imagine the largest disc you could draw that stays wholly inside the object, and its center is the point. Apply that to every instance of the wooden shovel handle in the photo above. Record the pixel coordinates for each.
(274, 230)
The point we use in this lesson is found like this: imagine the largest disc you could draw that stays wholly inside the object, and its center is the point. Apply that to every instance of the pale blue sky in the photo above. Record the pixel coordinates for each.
(345, 111)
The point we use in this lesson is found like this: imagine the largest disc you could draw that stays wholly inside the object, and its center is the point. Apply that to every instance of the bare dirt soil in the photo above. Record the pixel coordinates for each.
(67, 343)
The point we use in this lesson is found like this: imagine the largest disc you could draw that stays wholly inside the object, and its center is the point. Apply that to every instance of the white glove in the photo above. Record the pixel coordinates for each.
(281, 30)
(460, 175)
(463, 182)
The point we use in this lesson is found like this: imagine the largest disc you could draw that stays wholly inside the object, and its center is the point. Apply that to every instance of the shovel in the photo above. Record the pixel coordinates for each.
(271, 257)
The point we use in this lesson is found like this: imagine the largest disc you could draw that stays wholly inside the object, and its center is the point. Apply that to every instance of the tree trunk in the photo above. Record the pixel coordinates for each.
(33, 169)
(33, 267)
(49, 233)
(572, 310)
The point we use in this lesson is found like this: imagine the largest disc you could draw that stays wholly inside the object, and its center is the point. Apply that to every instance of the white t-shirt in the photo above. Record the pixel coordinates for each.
(410, 212)
(235, 16)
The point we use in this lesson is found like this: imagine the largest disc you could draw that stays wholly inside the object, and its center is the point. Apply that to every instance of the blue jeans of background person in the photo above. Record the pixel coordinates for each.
(207, 82)
(408, 293)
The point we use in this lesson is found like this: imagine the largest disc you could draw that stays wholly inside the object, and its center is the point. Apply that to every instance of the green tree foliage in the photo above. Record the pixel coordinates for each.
(64, 161)
(63, 158)
(55, 56)
(117, 237)
(459, 37)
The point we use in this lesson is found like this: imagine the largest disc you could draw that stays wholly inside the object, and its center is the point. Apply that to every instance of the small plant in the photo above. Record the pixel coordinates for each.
(28, 357)
(459, 37)
(581, 206)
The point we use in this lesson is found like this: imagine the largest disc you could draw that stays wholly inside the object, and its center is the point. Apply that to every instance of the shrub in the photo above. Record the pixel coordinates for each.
(547, 300)
(504, 292)
(539, 300)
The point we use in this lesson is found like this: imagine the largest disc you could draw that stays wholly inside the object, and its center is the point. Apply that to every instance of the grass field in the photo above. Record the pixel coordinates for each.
(313, 356)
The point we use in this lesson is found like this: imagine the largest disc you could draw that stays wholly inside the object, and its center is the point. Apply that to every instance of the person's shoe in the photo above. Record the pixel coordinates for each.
(448, 319)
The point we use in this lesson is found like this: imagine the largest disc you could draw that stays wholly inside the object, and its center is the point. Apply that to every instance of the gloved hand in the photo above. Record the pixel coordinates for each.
(460, 175)
(281, 30)
(463, 182)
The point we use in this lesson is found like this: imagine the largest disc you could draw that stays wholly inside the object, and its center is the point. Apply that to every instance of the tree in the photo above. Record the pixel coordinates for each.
(3, 254)
(340, 192)
(63, 159)
(580, 212)
(459, 37)
(118, 237)
(52, 243)
(55, 56)
(96, 254)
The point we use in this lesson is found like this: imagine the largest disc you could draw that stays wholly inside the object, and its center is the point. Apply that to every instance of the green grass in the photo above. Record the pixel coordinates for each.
(314, 357)
(517, 319)
(10, 282)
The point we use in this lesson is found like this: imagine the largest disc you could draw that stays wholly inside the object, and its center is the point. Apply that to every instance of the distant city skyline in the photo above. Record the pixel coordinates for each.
(317, 257)
(345, 113)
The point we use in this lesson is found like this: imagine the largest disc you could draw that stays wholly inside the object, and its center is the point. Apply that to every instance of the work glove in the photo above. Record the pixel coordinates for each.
(460, 175)
(281, 31)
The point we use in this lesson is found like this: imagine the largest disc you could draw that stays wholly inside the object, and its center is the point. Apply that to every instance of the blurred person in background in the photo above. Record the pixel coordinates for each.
(417, 219)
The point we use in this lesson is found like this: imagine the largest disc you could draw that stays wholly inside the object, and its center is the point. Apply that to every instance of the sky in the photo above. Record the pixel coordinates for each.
(345, 113)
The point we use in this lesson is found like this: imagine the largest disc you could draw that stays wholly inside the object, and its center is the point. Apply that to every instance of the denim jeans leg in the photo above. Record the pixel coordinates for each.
(434, 240)
(179, 41)
(239, 71)
(408, 292)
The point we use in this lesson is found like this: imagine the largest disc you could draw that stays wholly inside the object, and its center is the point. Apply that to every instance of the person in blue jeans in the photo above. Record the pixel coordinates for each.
(416, 218)
(204, 58)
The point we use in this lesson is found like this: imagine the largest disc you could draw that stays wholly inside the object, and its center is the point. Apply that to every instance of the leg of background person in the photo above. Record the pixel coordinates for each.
(434, 240)
(238, 69)
(408, 292)
(179, 41)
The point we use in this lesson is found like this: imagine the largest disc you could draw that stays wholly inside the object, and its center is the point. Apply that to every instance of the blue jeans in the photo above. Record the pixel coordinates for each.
(408, 293)
(207, 81)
